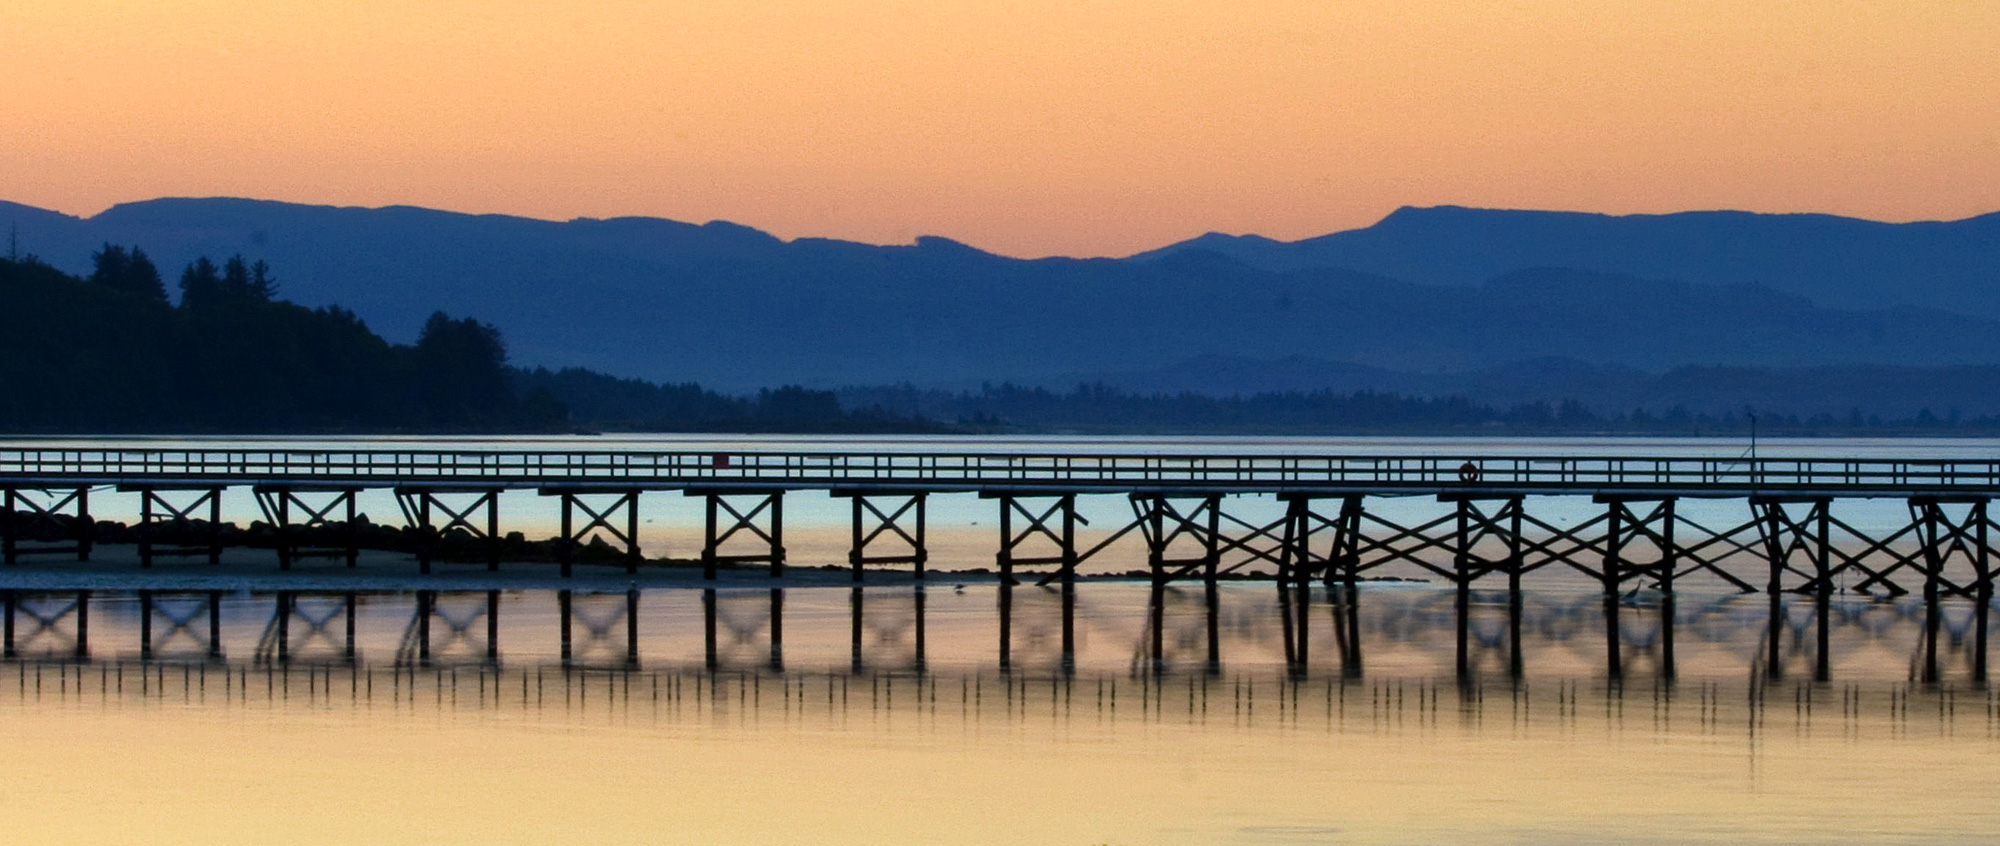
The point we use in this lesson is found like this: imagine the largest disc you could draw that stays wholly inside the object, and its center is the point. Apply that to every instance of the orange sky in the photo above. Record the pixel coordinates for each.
(1081, 127)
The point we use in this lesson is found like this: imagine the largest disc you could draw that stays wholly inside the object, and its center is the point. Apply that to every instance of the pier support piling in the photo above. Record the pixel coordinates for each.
(602, 520)
(1797, 546)
(756, 515)
(27, 519)
(1637, 523)
(278, 501)
(1055, 524)
(1298, 563)
(168, 529)
(1957, 549)
(898, 516)
(1478, 519)
(1164, 520)
(422, 508)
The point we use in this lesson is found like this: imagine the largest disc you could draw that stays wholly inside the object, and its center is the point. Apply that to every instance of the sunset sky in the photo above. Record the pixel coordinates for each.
(1081, 127)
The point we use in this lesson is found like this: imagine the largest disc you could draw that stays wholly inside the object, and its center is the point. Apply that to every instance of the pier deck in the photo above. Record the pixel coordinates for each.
(941, 472)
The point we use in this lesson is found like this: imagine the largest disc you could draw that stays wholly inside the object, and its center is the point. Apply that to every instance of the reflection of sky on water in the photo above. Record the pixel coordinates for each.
(451, 743)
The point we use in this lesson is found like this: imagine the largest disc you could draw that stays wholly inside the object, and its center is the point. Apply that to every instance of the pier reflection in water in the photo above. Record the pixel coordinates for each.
(1230, 713)
(1345, 632)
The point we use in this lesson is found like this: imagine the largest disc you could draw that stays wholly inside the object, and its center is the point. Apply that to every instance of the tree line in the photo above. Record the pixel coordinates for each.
(111, 352)
(1099, 408)
(598, 401)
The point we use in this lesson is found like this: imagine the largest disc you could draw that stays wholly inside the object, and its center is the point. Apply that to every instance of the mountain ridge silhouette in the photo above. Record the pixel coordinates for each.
(736, 308)
(1838, 261)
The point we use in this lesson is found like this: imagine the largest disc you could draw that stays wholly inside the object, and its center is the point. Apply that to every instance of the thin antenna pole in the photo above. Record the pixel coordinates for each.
(1756, 470)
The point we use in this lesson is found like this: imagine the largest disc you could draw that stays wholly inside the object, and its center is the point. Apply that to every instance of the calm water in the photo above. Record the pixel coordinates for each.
(1224, 718)
(959, 714)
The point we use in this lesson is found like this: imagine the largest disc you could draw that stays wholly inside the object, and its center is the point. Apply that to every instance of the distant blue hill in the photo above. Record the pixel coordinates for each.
(735, 308)
(1836, 261)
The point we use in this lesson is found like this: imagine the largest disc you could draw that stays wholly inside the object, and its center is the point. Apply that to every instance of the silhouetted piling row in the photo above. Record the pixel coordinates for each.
(1789, 537)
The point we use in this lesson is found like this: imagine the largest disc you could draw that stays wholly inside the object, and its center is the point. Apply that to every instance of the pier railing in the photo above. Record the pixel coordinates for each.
(944, 471)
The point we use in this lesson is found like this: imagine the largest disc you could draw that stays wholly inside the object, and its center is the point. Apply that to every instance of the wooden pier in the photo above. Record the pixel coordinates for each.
(1790, 535)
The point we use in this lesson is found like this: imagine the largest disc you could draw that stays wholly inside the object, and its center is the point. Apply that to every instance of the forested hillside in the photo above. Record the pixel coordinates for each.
(110, 353)
(1426, 292)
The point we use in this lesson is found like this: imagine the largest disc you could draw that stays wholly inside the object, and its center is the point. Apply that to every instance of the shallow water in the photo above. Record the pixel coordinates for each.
(471, 718)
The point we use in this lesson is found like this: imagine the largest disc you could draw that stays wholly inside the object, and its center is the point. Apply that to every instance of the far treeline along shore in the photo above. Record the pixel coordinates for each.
(112, 353)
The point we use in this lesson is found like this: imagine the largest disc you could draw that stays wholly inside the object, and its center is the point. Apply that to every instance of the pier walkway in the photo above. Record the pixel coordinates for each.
(1791, 536)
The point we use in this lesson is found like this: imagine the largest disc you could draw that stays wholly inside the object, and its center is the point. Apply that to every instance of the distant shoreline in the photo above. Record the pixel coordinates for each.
(116, 567)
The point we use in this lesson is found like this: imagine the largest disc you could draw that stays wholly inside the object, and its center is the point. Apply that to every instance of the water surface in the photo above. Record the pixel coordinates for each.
(470, 718)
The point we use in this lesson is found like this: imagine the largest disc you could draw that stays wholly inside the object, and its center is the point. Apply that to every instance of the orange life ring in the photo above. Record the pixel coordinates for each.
(1468, 472)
